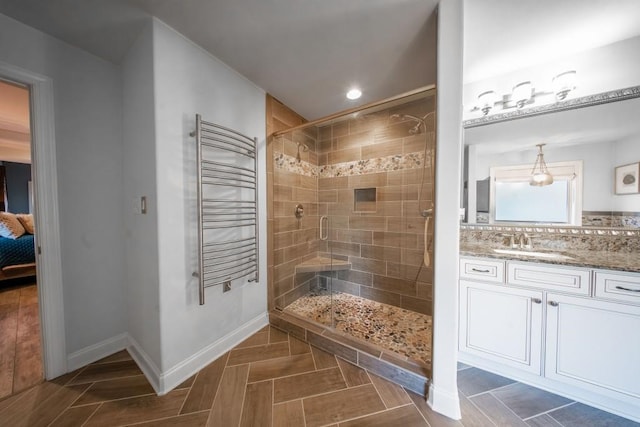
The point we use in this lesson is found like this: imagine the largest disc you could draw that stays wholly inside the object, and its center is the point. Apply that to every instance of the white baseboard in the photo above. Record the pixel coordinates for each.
(447, 404)
(164, 382)
(185, 369)
(97, 351)
(146, 365)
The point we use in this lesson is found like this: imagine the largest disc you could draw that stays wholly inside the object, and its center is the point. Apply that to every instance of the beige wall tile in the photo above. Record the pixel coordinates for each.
(282, 193)
(374, 223)
(362, 278)
(412, 257)
(382, 253)
(418, 305)
(368, 265)
(354, 140)
(384, 149)
(341, 156)
(369, 180)
(391, 284)
(400, 240)
(385, 297)
(354, 236)
(343, 248)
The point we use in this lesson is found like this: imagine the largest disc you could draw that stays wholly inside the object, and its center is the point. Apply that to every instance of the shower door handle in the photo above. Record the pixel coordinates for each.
(324, 236)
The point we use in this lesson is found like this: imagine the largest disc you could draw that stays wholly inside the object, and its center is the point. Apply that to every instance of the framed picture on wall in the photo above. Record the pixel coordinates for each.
(627, 179)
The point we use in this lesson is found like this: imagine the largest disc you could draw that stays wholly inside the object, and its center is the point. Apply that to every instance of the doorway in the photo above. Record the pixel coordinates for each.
(45, 215)
(21, 364)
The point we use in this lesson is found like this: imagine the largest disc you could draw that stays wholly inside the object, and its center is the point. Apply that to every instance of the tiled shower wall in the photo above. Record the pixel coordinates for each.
(383, 240)
(279, 117)
(295, 240)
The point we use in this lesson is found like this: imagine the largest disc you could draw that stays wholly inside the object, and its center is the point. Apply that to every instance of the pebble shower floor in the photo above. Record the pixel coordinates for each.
(401, 331)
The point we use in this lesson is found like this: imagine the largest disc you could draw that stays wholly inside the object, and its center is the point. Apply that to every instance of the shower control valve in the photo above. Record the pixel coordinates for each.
(299, 212)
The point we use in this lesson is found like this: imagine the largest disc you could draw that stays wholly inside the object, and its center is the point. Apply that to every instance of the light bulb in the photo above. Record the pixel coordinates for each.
(354, 93)
(521, 93)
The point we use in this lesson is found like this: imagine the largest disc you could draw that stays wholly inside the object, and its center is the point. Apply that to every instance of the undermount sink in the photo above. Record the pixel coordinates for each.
(522, 252)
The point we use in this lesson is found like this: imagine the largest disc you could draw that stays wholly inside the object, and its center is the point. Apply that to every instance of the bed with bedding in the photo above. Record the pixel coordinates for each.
(17, 257)
(17, 246)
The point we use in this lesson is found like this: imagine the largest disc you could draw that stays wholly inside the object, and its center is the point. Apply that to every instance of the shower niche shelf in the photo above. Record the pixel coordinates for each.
(317, 264)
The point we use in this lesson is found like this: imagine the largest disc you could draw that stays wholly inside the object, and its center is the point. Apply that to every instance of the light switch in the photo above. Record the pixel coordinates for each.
(143, 205)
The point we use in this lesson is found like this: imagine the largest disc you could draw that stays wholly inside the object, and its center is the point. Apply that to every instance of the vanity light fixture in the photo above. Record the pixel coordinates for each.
(521, 94)
(486, 101)
(354, 93)
(564, 83)
(540, 175)
(525, 94)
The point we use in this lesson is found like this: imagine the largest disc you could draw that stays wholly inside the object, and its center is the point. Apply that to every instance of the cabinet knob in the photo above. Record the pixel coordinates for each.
(553, 303)
(536, 300)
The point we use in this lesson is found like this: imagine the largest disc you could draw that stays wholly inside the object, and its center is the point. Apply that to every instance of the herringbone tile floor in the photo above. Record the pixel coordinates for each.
(273, 379)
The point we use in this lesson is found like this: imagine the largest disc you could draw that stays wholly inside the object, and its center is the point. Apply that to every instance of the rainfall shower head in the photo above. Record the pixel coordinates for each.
(416, 129)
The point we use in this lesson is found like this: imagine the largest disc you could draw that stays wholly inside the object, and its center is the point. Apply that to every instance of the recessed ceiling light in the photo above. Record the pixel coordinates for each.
(354, 94)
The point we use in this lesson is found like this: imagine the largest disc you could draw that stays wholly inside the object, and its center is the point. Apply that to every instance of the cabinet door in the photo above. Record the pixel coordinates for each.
(593, 344)
(501, 324)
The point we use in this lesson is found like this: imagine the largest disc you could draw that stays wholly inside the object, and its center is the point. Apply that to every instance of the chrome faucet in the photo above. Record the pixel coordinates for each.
(525, 241)
(522, 241)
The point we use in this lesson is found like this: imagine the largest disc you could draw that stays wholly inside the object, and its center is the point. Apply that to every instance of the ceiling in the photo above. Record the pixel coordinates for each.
(308, 53)
(15, 138)
(305, 53)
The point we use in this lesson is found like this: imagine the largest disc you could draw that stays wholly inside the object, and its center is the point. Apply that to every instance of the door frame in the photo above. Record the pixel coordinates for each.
(48, 253)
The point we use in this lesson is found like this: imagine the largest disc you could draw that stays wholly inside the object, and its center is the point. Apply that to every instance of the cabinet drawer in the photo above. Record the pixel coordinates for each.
(618, 286)
(551, 278)
(485, 270)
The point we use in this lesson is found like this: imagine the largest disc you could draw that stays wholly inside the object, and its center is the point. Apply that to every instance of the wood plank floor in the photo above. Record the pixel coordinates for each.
(273, 379)
(20, 344)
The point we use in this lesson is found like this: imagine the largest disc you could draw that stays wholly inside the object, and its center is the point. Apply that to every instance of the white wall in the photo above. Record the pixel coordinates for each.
(627, 151)
(602, 69)
(187, 81)
(141, 231)
(443, 390)
(89, 158)
(599, 161)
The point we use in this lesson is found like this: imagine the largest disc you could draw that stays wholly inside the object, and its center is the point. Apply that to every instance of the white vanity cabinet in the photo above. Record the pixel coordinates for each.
(593, 345)
(572, 331)
(501, 324)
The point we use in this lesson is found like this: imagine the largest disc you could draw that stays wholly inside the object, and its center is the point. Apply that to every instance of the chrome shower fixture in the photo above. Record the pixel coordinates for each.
(416, 129)
(305, 148)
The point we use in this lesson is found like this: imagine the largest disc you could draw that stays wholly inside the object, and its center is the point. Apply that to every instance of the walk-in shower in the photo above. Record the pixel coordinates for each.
(358, 260)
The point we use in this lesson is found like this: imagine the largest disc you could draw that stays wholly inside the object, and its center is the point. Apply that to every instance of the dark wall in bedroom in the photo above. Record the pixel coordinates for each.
(18, 177)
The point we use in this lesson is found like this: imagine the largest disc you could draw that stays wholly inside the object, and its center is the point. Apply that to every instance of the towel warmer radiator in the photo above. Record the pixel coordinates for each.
(227, 206)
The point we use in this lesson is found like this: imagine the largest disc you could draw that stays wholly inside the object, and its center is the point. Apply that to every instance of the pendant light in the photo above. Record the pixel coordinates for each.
(540, 175)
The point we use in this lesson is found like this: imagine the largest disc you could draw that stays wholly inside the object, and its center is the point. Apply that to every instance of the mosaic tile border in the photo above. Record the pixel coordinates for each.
(293, 165)
(380, 164)
(571, 104)
(587, 231)
(357, 167)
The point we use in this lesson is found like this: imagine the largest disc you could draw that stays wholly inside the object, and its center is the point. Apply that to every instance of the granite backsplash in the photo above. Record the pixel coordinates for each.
(554, 238)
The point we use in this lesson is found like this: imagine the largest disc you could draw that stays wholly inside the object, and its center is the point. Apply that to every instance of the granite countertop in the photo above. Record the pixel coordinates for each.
(620, 261)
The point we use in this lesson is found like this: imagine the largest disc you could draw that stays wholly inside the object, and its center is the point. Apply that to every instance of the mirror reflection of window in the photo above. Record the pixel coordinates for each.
(520, 202)
(513, 200)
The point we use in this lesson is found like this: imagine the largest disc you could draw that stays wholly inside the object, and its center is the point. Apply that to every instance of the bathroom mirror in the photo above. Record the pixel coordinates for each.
(602, 137)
